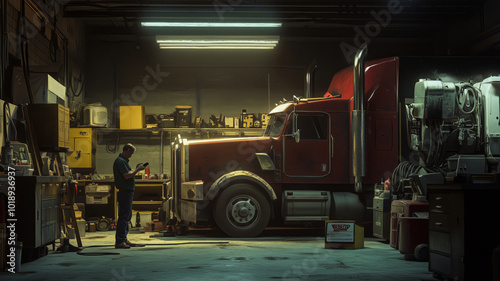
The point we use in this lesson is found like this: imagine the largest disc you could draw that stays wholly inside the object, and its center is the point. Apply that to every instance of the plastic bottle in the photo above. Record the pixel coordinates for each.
(387, 184)
(146, 171)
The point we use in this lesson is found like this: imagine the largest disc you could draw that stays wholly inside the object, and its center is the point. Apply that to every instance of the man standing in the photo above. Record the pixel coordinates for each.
(124, 181)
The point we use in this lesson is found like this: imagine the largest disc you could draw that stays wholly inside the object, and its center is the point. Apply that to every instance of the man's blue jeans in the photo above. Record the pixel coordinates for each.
(124, 199)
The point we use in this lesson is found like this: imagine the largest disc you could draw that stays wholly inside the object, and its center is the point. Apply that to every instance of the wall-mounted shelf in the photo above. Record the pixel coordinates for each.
(161, 138)
(194, 133)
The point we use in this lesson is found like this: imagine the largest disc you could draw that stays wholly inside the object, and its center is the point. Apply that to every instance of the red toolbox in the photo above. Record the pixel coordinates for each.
(413, 232)
(404, 208)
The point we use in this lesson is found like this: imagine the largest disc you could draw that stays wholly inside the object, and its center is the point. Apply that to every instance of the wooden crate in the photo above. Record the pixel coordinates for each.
(51, 124)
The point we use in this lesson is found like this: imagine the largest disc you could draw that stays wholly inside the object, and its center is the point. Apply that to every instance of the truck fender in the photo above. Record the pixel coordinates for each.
(346, 206)
(238, 176)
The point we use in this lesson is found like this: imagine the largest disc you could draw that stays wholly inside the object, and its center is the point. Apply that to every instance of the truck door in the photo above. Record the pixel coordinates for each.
(311, 155)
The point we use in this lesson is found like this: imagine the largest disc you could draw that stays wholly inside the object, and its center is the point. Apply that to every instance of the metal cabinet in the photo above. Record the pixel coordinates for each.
(382, 218)
(464, 228)
(82, 149)
(36, 210)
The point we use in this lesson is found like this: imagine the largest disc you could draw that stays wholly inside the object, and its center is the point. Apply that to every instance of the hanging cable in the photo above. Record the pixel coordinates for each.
(477, 115)
(3, 47)
(79, 251)
(54, 44)
(5, 133)
(465, 92)
(401, 172)
(409, 119)
(112, 147)
(11, 124)
(77, 91)
(25, 54)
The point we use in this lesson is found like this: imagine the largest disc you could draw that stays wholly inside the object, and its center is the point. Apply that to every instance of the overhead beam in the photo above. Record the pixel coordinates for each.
(260, 9)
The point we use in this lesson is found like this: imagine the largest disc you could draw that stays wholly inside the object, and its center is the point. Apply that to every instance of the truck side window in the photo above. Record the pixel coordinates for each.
(314, 127)
(275, 126)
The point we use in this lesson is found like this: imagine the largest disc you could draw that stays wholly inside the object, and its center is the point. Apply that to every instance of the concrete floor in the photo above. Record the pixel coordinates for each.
(208, 255)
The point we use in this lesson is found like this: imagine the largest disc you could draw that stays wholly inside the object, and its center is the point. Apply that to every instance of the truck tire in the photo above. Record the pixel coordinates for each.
(242, 211)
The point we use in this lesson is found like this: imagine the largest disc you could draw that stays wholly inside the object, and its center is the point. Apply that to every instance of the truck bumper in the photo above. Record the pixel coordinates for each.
(187, 196)
(191, 201)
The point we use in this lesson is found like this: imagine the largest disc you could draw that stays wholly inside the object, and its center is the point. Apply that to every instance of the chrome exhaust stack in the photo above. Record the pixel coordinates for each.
(358, 120)
(311, 68)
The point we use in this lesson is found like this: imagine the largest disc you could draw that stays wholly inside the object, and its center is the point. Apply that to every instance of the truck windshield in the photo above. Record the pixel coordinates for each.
(275, 125)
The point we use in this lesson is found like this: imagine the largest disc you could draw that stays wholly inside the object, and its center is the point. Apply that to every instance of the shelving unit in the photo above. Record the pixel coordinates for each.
(167, 135)
(189, 133)
(149, 195)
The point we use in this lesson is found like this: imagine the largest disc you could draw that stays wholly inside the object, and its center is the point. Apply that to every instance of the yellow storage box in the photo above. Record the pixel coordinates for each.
(132, 117)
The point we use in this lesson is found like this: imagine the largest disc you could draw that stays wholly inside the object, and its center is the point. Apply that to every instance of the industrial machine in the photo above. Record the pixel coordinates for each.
(16, 155)
(320, 157)
(456, 124)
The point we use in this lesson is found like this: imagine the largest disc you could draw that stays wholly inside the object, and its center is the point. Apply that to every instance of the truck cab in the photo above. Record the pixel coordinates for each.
(300, 170)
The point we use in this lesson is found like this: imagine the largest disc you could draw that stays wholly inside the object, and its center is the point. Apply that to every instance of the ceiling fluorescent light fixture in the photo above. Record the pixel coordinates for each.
(211, 24)
(221, 41)
(217, 42)
(215, 47)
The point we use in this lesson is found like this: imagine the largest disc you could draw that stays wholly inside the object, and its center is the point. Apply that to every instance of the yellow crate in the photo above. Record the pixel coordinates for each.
(51, 124)
(132, 117)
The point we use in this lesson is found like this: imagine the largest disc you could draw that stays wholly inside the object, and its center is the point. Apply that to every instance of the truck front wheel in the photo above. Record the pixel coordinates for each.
(242, 211)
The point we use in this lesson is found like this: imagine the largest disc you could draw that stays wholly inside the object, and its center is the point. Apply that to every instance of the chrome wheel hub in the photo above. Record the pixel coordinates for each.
(243, 211)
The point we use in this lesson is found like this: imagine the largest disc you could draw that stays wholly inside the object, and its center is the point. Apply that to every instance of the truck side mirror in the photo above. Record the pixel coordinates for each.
(296, 136)
(296, 131)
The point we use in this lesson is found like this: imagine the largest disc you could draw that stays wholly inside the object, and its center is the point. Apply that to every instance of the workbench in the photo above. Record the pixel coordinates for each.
(148, 196)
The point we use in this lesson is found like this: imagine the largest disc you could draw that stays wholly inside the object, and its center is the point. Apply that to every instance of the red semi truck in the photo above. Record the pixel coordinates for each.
(319, 158)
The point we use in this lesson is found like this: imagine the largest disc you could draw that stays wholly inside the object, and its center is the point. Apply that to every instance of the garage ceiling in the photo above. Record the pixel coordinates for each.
(332, 18)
